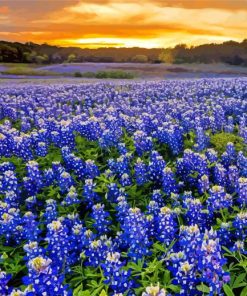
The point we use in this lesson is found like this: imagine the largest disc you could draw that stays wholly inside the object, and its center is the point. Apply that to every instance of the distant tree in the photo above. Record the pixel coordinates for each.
(56, 58)
(41, 59)
(71, 58)
(30, 56)
(167, 56)
(140, 58)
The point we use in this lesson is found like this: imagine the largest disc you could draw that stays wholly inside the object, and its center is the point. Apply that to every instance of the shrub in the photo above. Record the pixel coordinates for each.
(114, 74)
(77, 74)
(219, 142)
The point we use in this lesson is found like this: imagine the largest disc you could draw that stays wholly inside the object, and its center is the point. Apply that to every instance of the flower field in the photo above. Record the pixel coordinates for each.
(124, 189)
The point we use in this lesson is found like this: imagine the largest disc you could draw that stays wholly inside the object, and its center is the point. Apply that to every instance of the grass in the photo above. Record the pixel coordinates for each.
(27, 69)
(219, 142)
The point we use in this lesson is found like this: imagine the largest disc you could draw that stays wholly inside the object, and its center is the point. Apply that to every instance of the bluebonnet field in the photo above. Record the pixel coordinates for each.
(124, 189)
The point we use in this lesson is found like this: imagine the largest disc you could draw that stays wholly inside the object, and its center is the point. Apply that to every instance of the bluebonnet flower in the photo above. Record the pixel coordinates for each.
(212, 155)
(166, 225)
(66, 135)
(239, 247)
(9, 182)
(135, 234)
(44, 278)
(242, 164)
(33, 171)
(143, 143)
(155, 167)
(220, 174)
(194, 214)
(229, 127)
(140, 172)
(211, 263)
(202, 140)
(113, 192)
(242, 191)
(58, 244)
(203, 184)
(157, 197)
(71, 198)
(101, 219)
(65, 181)
(240, 224)
(31, 203)
(116, 277)
(7, 166)
(122, 148)
(189, 242)
(224, 234)
(218, 199)
(91, 169)
(122, 165)
(12, 198)
(4, 279)
(48, 177)
(41, 149)
(4, 145)
(233, 176)
(185, 277)
(33, 250)
(96, 252)
(76, 164)
(154, 291)
(31, 226)
(22, 147)
(125, 180)
(231, 152)
(50, 213)
(192, 167)
(122, 208)
(89, 194)
(169, 184)
(10, 222)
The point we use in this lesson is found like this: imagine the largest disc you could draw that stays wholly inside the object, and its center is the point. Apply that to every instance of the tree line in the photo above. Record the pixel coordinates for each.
(230, 52)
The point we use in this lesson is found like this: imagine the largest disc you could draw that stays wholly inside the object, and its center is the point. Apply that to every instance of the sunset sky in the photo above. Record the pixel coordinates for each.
(143, 23)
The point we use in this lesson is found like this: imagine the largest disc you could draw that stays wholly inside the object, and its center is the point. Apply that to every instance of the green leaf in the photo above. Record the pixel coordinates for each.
(228, 290)
(203, 288)
(174, 288)
(103, 293)
(239, 280)
(244, 292)
(77, 290)
(159, 247)
(84, 293)
(167, 276)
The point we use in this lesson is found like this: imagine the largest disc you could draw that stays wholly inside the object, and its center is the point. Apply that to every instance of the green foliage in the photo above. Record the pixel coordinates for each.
(116, 74)
(24, 69)
(189, 140)
(77, 74)
(71, 58)
(220, 140)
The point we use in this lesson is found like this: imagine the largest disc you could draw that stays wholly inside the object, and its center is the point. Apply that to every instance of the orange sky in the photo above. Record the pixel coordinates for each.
(144, 23)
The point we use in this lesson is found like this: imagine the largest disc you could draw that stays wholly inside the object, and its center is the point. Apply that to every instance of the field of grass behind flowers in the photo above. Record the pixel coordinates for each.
(124, 189)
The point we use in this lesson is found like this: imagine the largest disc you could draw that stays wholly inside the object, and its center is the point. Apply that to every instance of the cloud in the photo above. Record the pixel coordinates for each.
(4, 10)
(124, 23)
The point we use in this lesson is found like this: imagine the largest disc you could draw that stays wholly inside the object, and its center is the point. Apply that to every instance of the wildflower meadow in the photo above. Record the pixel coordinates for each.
(125, 188)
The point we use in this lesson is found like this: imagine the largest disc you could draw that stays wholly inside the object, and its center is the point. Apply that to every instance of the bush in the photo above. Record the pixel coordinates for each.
(219, 142)
(114, 75)
(77, 74)
(105, 74)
